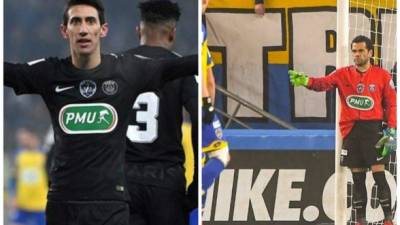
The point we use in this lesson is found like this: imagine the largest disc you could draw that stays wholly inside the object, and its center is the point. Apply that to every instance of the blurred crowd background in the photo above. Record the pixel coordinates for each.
(31, 31)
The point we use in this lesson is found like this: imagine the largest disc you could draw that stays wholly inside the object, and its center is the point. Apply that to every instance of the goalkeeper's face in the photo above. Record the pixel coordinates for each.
(361, 55)
(84, 30)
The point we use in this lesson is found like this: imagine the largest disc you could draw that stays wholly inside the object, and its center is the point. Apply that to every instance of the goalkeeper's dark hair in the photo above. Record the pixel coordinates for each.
(97, 4)
(157, 11)
(362, 38)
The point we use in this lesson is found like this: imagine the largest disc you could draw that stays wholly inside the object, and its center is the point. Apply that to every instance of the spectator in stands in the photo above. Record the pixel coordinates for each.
(259, 7)
(30, 180)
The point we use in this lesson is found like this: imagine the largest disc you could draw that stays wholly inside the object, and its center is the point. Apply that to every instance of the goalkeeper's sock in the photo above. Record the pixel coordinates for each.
(359, 195)
(385, 198)
(210, 172)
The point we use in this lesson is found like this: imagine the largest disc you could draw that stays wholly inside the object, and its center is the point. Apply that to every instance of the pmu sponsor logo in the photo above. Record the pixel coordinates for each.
(88, 118)
(281, 196)
(360, 102)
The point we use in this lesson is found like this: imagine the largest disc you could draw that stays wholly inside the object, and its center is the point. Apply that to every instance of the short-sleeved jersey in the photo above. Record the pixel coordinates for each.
(90, 111)
(31, 180)
(206, 60)
(364, 96)
(154, 136)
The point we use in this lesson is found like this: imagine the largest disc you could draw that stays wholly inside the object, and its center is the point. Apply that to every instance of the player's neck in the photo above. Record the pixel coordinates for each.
(364, 67)
(155, 43)
(86, 62)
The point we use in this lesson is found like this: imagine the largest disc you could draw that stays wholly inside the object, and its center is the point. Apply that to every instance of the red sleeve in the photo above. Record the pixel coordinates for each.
(324, 83)
(389, 101)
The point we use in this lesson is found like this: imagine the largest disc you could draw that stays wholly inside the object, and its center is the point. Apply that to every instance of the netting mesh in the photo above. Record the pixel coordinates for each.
(376, 19)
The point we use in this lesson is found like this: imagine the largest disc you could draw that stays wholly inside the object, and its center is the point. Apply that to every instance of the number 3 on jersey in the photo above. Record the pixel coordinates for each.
(147, 116)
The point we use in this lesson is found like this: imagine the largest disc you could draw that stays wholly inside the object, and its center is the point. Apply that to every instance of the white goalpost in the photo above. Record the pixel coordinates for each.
(342, 59)
(375, 19)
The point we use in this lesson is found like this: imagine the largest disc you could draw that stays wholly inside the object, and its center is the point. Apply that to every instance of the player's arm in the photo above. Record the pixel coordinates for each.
(211, 84)
(26, 78)
(316, 84)
(189, 96)
(389, 138)
(207, 86)
(215, 165)
(389, 102)
(171, 69)
(157, 72)
(217, 151)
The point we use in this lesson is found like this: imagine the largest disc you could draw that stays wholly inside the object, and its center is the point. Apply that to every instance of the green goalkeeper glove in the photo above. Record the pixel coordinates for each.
(298, 78)
(388, 143)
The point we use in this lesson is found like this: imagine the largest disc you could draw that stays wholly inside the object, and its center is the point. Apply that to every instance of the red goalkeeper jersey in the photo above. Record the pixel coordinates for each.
(364, 96)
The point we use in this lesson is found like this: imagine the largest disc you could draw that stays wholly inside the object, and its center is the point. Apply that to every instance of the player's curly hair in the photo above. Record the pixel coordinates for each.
(97, 4)
(156, 11)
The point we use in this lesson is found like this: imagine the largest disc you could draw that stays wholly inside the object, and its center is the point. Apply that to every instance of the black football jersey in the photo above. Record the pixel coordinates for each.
(155, 154)
(90, 111)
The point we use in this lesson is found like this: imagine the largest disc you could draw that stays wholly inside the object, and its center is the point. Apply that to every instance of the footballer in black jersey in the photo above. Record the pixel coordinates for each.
(154, 135)
(155, 156)
(90, 114)
(90, 107)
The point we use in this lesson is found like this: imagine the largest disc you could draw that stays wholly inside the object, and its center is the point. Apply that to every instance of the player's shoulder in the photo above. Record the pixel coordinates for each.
(46, 67)
(377, 69)
(110, 59)
(48, 61)
(151, 52)
(346, 69)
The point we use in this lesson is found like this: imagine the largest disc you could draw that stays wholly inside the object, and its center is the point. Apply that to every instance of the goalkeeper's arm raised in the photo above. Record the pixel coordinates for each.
(316, 84)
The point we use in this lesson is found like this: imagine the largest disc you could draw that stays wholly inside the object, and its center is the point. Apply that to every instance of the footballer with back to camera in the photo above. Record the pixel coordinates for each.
(155, 156)
(89, 96)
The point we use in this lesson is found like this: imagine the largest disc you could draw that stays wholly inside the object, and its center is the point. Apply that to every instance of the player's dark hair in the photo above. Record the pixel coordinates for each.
(156, 11)
(97, 4)
(360, 39)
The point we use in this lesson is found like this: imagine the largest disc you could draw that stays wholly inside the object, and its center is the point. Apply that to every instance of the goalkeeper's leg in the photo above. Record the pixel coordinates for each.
(359, 195)
(378, 172)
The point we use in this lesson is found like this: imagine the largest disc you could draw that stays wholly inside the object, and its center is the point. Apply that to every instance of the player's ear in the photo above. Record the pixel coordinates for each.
(138, 32)
(63, 30)
(104, 30)
(172, 35)
(370, 53)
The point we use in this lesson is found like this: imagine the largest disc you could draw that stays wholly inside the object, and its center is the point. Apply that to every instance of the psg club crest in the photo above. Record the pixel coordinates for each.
(109, 87)
(371, 87)
(87, 88)
(360, 88)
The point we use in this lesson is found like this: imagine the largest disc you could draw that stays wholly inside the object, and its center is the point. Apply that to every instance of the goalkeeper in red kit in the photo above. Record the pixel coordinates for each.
(368, 98)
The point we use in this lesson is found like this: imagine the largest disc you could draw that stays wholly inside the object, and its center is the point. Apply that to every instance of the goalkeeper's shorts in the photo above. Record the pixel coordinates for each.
(212, 136)
(358, 149)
